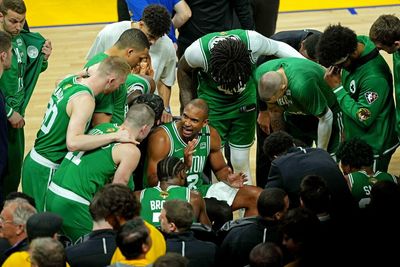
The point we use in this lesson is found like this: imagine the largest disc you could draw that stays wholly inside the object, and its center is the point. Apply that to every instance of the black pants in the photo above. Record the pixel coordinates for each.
(123, 11)
(265, 15)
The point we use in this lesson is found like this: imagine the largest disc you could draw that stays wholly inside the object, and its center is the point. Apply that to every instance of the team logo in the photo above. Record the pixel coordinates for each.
(363, 114)
(164, 194)
(371, 97)
(110, 130)
(202, 145)
(373, 180)
(353, 87)
(19, 42)
(32, 51)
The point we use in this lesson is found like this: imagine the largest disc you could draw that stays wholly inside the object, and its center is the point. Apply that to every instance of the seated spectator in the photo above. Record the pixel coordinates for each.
(98, 247)
(272, 205)
(119, 205)
(171, 259)
(47, 252)
(13, 218)
(176, 219)
(266, 255)
(133, 240)
(43, 224)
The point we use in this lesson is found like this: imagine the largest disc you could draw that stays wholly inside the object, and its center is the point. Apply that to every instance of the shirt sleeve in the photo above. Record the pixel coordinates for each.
(369, 104)
(261, 45)
(194, 56)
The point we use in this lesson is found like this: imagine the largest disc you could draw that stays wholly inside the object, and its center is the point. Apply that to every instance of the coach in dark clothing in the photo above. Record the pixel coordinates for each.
(175, 219)
(96, 250)
(272, 205)
(292, 163)
(213, 16)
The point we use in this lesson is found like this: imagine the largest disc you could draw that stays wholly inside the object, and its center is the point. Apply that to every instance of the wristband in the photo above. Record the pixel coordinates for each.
(167, 109)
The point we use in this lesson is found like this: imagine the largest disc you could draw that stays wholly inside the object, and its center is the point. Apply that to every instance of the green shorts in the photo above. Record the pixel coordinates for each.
(77, 220)
(238, 132)
(35, 180)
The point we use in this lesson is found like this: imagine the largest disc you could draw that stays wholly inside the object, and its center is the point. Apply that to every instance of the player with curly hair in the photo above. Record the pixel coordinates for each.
(225, 61)
(357, 158)
(362, 83)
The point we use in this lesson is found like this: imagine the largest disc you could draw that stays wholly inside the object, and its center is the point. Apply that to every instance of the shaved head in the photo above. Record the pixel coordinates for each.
(200, 104)
(269, 84)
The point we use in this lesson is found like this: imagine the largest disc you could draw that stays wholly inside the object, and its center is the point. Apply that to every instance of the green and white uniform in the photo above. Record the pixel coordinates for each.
(115, 103)
(17, 85)
(226, 109)
(365, 98)
(80, 176)
(396, 72)
(361, 184)
(152, 200)
(202, 150)
(307, 94)
(50, 145)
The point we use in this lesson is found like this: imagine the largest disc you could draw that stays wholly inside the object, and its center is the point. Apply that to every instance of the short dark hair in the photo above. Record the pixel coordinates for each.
(335, 43)
(133, 38)
(266, 255)
(130, 238)
(315, 194)
(180, 213)
(271, 201)
(5, 41)
(154, 101)
(157, 19)
(169, 167)
(277, 144)
(114, 199)
(171, 259)
(310, 45)
(385, 30)
(230, 64)
(356, 153)
(17, 6)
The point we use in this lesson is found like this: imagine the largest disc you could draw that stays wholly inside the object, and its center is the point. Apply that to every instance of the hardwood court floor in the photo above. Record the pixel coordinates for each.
(70, 45)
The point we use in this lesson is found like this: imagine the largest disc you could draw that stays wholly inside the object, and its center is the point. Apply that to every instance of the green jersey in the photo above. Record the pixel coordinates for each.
(361, 184)
(153, 198)
(223, 104)
(396, 71)
(202, 150)
(307, 92)
(51, 138)
(366, 99)
(84, 173)
(115, 103)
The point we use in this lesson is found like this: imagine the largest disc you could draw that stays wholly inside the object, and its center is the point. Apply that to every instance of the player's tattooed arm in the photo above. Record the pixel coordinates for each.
(186, 78)
(276, 116)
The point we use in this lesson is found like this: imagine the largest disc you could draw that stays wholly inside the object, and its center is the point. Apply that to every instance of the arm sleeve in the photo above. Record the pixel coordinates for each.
(325, 129)
(261, 45)
(194, 57)
(369, 104)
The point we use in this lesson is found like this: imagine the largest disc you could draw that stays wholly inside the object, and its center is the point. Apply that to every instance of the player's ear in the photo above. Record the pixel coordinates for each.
(205, 122)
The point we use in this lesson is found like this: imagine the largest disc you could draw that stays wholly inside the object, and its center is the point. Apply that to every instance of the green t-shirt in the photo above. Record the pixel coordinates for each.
(84, 173)
(153, 198)
(51, 138)
(307, 92)
(366, 100)
(361, 184)
(223, 104)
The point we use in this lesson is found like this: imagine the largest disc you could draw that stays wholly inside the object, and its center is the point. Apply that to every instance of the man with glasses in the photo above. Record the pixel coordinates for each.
(293, 87)
(362, 83)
